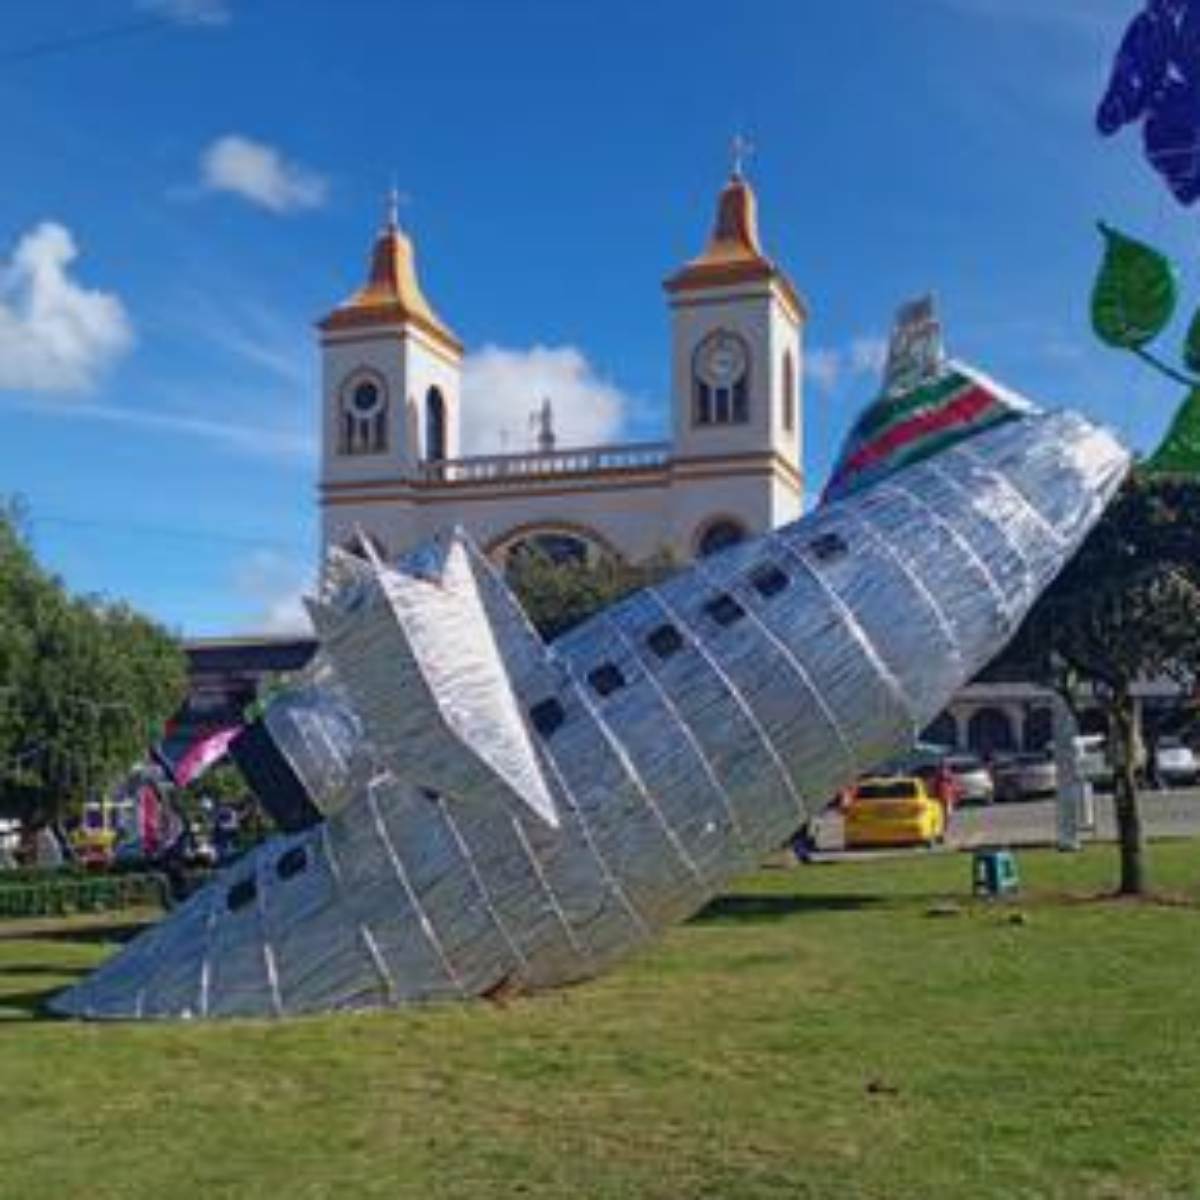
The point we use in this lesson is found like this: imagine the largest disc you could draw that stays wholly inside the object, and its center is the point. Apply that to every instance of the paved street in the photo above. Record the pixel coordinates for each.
(1034, 822)
(1166, 814)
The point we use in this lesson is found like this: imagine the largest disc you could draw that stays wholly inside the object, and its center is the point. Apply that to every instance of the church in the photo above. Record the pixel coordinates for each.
(392, 416)
(392, 471)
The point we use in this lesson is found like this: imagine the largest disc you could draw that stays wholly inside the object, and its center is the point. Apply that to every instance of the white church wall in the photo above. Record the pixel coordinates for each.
(785, 338)
(630, 520)
(696, 503)
(427, 368)
(787, 502)
(389, 524)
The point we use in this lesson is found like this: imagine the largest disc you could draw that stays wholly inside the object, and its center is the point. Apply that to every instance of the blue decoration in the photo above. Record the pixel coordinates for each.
(1156, 79)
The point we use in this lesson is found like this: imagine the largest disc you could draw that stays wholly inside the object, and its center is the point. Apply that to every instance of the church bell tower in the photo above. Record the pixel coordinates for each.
(736, 368)
(391, 389)
(736, 329)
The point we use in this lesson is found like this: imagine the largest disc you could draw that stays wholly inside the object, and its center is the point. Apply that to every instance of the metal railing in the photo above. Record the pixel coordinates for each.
(518, 468)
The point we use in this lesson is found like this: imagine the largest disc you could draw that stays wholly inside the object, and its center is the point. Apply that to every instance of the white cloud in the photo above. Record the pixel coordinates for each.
(274, 585)
(55, 336)
(259, 173)
(190, 12)
(826, 366)
(1063, 350)
(502, 387)
(1074, 16)
(823, 367)
(868, 355)
(254, 334)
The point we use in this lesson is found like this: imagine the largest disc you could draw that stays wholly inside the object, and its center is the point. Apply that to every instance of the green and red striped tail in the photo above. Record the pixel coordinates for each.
(904, 428)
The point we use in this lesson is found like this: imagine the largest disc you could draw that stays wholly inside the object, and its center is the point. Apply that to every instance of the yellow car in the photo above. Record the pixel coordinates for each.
(893, 811)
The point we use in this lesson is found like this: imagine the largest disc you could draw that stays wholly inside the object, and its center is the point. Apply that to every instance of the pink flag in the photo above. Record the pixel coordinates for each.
(148, 820)
(203, 753)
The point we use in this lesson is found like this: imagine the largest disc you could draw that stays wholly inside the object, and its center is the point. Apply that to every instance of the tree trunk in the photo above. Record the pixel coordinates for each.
(1125, 795)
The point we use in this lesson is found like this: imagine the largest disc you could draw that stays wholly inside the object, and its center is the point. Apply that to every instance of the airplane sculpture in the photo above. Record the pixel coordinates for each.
(475, 811)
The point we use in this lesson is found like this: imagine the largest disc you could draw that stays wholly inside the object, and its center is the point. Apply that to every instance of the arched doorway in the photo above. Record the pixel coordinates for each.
(560, 541)
(989, 731)
(719, 534)
(435, 425)
(559, 548)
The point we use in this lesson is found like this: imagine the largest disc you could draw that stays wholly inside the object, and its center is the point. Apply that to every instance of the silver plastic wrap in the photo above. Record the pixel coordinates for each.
(501, 813)
(318, 733)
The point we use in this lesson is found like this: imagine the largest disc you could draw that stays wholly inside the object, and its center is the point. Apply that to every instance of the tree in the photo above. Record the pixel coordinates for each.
(1126, 609)
(559, 595)
(85, 684)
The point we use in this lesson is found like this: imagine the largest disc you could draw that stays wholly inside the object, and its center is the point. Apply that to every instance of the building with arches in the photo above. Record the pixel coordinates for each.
(393, 413)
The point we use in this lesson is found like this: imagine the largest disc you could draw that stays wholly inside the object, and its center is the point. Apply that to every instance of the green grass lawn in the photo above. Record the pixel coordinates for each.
(818, 1033)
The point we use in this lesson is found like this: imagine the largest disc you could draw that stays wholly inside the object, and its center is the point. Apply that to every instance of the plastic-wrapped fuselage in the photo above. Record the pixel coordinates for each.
(502, 813)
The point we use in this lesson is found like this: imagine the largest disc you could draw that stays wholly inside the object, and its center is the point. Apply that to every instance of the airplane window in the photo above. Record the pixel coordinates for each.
(547, 716)
(665, 641)
(606, 679)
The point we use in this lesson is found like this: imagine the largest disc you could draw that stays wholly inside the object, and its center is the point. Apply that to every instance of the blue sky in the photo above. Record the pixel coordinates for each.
(218, 176)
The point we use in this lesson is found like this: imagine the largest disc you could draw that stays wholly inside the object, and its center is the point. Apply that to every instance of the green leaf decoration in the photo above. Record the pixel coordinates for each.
(1191, 345)
(1179, 453)
(1135, 292)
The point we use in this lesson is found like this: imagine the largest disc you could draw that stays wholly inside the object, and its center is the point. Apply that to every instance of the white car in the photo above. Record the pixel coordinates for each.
(974, 782)
(1175, 763)
(1030, 774)
(10, 841)
(1092, 750)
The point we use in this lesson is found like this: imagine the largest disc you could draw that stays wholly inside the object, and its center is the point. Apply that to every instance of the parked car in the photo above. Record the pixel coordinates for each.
(893, 811)
(1093, 756)
(1175, 763)
(1025, 775)
(10, 841)
(975, 785)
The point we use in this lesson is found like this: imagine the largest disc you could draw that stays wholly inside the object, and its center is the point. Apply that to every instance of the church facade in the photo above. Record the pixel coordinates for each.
(393, 412)
(392, 416)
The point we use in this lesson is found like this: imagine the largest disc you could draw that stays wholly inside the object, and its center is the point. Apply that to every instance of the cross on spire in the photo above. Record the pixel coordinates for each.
(395, 198)
(741, 148)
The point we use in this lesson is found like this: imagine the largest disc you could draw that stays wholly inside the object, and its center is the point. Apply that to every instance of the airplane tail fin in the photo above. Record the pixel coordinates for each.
(426, 667)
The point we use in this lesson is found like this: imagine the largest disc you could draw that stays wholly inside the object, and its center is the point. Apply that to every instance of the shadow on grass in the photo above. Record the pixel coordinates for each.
(752, 908)
(87, 935)
(19, 1007)
(57, 970)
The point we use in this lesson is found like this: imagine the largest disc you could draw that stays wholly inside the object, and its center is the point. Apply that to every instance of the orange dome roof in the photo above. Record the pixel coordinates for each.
(392, 295)
(733, 254)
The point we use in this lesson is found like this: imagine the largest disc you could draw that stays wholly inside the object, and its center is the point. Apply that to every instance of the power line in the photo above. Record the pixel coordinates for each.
(65, 43)
(77, 41)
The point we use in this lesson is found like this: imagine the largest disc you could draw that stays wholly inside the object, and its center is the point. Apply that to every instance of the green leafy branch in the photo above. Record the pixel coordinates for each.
(1134, 299)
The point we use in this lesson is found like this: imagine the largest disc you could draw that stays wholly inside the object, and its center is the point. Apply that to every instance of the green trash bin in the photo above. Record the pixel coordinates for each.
(994, 873)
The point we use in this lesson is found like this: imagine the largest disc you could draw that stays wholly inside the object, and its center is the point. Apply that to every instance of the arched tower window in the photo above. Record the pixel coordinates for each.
(789, 393)
(721, 380)
(362, 416)
(719, 535)
(435, 425)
